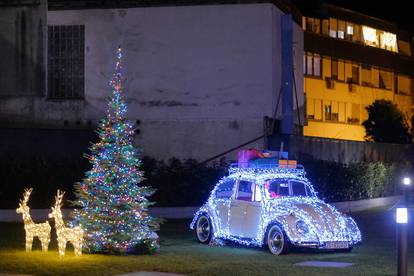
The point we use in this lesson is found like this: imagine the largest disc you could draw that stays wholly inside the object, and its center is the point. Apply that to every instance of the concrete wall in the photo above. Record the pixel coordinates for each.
(345, 152)
(199, 78)
(22, 56)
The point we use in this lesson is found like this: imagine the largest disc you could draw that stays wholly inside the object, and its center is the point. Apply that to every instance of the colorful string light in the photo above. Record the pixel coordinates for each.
(40, 230)
(113, 208)
(306, 220)
(65, 234)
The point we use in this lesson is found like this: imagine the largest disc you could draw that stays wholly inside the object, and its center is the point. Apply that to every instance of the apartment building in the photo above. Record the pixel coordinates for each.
(350, 60)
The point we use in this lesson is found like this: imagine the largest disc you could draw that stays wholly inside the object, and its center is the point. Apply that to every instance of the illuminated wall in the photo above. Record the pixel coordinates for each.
(337, 97)
(350, 31)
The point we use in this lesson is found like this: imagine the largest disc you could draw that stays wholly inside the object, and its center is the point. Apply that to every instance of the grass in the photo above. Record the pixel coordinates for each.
(180, 253)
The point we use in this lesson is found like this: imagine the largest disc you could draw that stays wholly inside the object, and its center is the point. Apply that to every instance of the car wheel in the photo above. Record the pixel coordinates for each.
(276, 240)
(204, 229)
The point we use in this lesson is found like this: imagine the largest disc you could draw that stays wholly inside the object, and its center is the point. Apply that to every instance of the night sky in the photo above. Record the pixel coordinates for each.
(396, 11)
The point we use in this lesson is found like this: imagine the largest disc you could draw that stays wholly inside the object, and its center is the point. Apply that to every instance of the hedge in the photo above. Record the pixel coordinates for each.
(187, 183)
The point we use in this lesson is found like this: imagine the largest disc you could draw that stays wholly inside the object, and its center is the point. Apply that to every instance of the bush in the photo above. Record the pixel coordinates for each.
(181, 183)
(178, 183)
(186, 183)
(44, 174)
(340, 182)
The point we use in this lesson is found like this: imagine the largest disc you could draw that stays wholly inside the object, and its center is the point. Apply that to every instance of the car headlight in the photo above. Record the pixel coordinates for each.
(302, 227)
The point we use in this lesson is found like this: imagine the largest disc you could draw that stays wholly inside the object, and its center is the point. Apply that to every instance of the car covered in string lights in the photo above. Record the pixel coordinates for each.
(270, 202)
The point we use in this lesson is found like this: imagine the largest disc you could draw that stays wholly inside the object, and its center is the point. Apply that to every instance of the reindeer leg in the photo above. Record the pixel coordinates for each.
(29, 242)
(78, 248)
(62, 247)
(45, 243)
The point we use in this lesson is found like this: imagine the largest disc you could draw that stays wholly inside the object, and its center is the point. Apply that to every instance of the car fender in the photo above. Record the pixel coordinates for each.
(280, 221)
(204, 210)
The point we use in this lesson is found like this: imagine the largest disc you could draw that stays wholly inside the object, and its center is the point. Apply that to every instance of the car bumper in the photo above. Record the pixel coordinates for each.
(329, 245)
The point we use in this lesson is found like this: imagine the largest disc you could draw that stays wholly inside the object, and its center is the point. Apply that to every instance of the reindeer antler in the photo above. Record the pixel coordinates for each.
(59, 199)
(26, 196)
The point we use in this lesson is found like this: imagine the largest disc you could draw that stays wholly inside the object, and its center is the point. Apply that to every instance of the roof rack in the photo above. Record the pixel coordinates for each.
(252, 167)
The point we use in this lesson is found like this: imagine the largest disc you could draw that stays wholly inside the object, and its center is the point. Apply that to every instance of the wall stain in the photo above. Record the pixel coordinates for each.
(165, 103)
(235, 103)
(122, 13)
(234, 125)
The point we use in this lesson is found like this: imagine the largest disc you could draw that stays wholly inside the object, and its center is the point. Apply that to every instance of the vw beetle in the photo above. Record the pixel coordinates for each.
(271, 203)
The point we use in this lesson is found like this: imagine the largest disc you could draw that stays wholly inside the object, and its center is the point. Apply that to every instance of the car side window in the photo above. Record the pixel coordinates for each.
(225, 189)
(257, 193)
(244, 191)
(298, 188)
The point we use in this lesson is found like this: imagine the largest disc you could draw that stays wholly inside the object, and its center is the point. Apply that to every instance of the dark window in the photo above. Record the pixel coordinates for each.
(225, 189)
(66, 62)
(355, 74)
(334, 69)
(313, 25)
(328, 112)
(244, 191)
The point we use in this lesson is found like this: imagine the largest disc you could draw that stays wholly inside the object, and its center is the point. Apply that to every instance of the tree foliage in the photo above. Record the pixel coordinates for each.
(386, 124)
(112, 206)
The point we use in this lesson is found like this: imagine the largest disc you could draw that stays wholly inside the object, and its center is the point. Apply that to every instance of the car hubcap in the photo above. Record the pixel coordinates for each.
(276, 240)
(203, 229)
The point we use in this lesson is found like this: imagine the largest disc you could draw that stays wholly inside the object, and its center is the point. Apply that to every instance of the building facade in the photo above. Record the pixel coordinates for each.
(350, 60)
(199, 79)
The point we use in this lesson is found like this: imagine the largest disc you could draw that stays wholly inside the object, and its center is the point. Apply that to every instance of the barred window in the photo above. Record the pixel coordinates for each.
(66, 70)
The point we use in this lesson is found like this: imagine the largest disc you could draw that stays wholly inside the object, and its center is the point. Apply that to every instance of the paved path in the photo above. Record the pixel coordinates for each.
(147, 273)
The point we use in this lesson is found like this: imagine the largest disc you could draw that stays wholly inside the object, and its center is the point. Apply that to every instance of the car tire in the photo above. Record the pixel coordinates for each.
(276, 240)
(203, 229)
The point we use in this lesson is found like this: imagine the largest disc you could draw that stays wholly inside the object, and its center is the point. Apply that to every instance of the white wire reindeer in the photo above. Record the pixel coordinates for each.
(40, 230)
(65, 234)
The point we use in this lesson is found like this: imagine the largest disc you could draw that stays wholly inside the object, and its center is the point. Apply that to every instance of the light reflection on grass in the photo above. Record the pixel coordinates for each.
(180, 253)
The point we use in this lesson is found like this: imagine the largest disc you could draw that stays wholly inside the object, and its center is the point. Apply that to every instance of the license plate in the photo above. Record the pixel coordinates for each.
(337, 245)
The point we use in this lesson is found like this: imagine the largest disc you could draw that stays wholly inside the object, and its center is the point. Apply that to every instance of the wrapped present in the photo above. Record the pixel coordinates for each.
(245, 156)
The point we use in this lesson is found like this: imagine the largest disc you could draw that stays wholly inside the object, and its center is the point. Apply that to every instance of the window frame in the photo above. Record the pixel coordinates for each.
(232, 190)
(237, 191)
(312, 56)
(65, 68)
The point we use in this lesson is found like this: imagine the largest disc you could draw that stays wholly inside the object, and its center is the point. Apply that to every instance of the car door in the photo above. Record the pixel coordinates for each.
(223, 195)
(238, 208)
(253, 214)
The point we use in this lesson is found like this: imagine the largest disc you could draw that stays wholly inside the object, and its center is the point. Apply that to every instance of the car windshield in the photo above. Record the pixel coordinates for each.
(285, 187)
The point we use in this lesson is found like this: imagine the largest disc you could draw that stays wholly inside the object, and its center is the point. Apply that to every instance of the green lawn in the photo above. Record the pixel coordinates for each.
(181, 253)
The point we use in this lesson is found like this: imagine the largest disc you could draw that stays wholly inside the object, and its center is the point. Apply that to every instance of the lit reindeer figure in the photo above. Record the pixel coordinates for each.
(65, 234)
(40, 230)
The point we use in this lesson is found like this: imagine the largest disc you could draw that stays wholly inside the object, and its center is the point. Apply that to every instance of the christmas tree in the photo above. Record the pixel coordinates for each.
(111, 207)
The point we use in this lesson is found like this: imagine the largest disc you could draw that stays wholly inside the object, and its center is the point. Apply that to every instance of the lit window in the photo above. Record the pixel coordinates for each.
(312, 64)
(333, 27)
(403, 85)
(385, 79)
(350, 29)
(388, 41)
(370, 36)
(341, 29)
(366, 75)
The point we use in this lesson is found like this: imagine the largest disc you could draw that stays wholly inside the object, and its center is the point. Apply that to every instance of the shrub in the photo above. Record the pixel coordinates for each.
(340, 182)
(186, 183)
